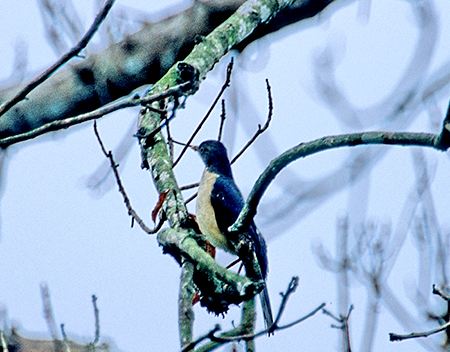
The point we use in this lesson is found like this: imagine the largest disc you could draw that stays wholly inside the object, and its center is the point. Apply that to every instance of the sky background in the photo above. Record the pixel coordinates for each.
(79, 241)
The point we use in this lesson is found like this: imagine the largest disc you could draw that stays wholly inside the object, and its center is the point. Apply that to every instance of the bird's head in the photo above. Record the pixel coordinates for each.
(214, 155)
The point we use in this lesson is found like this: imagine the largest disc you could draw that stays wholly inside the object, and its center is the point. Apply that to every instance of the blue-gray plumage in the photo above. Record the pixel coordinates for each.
(219, 203)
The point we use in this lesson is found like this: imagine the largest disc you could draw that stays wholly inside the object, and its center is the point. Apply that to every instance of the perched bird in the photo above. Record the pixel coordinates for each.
(219, 203)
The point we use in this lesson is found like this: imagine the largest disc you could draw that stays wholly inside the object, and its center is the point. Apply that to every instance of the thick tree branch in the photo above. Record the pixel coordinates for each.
(326, 143)
(182, 244)
(92, 115)
(139, 59)
(185, 311)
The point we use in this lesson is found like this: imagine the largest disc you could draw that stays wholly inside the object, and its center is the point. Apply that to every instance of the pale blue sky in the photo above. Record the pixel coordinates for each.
(53, 230)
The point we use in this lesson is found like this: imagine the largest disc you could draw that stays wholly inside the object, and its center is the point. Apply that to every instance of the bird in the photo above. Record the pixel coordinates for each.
(219, 203)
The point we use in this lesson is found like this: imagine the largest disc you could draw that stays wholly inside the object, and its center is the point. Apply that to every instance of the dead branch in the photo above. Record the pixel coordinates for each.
(72, 121)
(413, 335)
(260, 129)
(213, 105)
(126, 200)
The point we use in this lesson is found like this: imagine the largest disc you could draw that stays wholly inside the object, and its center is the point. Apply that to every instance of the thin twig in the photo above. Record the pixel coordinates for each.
(223, 116)
(104, 110)
(65, 58)
(260, 129)
(285, 296)
(343, 320)
(97, 320)
(265, 331)
(307, 316)
(192, 185)
(208, 335)
(271, 329)
(63, 331)
(191, 198)
(65, 339)
(126, 200)
(413, 335)
(48, 311)
(167, 120)
(440, 293)
(222, 90)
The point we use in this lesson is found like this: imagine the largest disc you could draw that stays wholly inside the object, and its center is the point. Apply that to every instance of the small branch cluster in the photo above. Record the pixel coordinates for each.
(101, 16)
(239, 334)
(343, 325)
(16, 342)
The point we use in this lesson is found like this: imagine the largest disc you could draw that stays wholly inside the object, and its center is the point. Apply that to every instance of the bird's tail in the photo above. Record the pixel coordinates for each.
(266, 308)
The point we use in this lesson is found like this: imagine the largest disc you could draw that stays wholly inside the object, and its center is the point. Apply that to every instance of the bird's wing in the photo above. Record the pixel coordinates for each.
(227, 201)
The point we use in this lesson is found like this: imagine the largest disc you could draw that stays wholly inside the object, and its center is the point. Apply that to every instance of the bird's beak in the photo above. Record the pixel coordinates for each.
(194, 147)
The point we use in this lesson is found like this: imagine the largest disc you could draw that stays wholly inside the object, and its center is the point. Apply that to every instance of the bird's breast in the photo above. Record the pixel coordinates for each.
(205, 213)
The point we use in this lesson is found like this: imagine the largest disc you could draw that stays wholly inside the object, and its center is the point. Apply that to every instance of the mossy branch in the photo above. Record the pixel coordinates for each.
(156, 158)
(182, 244)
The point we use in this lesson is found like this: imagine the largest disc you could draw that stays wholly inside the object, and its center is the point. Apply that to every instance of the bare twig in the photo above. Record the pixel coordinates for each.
(65, 58)
(440, 293)
(191, 198)
(63, 332)
(97, 320)
(208, 335)
(71, 121)
(285, 296)
(65, 339)
(48, 311)
(307, 316)
(413, 335)
(275, 327)
(192, 185)
(223, 116)
(343, 321)
(265, 331)
(260, 129)
(234, 335)
(222, 90)
(169, 141)
(126, 200)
